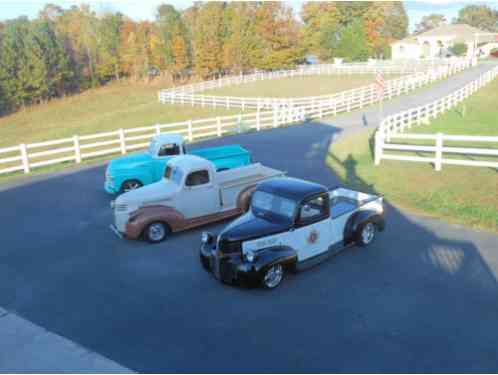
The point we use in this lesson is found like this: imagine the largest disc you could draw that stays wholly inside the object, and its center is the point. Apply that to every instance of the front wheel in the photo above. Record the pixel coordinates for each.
(366, 234)
(273, 276)
(156, 232)
(129, 185)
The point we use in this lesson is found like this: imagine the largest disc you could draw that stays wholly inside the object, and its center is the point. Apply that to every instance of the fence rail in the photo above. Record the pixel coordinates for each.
(392, 127)
(186, 95)
(384, 66)
(26, 157)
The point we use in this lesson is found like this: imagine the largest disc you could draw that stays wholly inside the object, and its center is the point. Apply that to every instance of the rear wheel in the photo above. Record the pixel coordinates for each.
(156, 232)
(366, 233)
(129, 185)
(273, 276)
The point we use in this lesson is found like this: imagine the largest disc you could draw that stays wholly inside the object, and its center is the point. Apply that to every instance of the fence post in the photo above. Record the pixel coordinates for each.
(379, 144)
(122, 141)
(258, 120)
(24, 156)
(275, 117)
(190, 134)
(243, 104)
(227, 100)
(439, 151)
(218, 126)
(77, 151)
(158, 129)
(239, 123)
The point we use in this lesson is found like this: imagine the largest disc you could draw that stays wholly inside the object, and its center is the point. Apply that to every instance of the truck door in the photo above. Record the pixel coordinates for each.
(311, 236)
(199, 196)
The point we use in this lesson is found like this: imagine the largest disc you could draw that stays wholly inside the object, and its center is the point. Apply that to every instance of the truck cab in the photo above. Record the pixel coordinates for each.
(291, 224)
(136, 170)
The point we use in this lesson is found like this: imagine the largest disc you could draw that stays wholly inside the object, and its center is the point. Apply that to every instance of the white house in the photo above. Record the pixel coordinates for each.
(435, 43)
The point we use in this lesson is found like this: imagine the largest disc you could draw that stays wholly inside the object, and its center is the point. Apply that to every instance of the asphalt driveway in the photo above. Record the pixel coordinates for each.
(422, 298)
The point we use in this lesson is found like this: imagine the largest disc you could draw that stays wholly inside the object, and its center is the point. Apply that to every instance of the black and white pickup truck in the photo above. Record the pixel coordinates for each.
(291, 224)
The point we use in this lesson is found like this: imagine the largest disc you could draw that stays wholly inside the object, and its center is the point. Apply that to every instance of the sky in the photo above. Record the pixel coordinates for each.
(144, 9)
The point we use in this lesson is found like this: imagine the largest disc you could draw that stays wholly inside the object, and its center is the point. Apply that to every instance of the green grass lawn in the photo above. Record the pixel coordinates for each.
(298, 86)
(475, 116)
(466, 195)
(118, 105)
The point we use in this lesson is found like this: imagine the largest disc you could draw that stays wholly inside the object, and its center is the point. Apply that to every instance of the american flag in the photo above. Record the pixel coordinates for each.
(379, 81)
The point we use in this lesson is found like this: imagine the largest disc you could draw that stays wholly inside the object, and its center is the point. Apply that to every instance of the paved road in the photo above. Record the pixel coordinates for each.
(422, 298)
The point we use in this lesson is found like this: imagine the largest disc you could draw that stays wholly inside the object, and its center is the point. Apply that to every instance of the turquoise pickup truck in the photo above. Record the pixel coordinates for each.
(136, 170)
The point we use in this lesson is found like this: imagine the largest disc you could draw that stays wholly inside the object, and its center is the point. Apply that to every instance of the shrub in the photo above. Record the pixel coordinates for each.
(458, 49)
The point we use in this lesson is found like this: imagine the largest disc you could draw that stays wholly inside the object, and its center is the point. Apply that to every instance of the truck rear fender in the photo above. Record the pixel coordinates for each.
(244, 198)
(358, 219)
(284, 255)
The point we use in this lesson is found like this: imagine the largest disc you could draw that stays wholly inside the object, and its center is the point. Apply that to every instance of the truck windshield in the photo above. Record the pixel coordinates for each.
(173, 174)
(272, 207)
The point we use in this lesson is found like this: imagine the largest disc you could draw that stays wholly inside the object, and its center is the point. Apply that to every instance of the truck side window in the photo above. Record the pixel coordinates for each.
(169, 149)
(312, 210)
(197, 178)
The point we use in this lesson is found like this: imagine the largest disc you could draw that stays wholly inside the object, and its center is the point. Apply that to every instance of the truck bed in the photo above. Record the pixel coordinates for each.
(233, 181)
(343, 201)
(222, 152)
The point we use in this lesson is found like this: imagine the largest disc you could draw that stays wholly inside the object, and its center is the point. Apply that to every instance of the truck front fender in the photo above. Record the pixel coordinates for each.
(284, 255)
(145, 178)
(144, 216)
(358, 219)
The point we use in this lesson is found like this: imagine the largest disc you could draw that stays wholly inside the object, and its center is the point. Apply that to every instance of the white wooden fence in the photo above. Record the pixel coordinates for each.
(383, 66)
(342, 101)
(25, 157)
(392, 127)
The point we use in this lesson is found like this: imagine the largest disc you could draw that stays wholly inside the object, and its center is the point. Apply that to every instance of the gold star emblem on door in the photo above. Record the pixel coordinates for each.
(313, 236)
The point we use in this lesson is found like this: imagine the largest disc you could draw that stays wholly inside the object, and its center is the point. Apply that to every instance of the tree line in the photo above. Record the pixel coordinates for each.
(64, 51)
(481, 16)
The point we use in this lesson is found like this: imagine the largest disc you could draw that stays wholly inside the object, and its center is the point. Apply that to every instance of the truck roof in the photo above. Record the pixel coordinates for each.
(189, 162)
(292, 188)
(168, 138)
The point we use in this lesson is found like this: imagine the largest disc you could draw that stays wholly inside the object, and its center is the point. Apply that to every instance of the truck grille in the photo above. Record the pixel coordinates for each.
(230, 247)
(121, 207)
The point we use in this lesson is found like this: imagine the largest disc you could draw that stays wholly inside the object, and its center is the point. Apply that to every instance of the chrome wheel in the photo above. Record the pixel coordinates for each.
(368, 233)
(156, 232)
(273, 276)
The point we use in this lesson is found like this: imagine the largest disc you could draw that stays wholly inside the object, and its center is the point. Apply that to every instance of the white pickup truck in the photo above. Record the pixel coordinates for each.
(192, 193)
(292, 224)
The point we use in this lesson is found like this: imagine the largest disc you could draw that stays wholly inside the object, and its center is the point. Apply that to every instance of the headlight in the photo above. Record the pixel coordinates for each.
(250, 256)
(206, 238)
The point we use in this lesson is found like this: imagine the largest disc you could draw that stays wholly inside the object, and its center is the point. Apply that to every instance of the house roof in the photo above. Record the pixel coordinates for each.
(459, 32)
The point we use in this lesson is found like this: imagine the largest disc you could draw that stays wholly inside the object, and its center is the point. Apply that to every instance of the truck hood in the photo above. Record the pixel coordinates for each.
(156, 193)
(129, 162)
(248, 227)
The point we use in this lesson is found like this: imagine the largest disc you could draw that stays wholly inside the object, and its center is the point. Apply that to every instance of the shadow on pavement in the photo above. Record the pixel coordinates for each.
(422, 298)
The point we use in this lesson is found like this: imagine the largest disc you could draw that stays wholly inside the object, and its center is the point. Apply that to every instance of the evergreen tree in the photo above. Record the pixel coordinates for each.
(352, 44)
